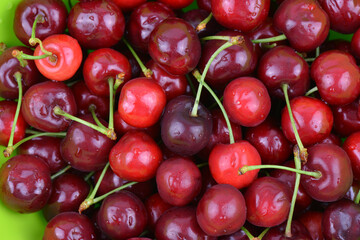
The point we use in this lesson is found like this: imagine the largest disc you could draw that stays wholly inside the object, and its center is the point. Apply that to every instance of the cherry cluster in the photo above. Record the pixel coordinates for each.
(244, 122)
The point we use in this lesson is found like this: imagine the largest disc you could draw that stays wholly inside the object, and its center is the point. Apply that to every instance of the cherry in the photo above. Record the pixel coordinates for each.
(122, 215)
(25, 183)
(196, 17)
(240, 15)
(68, 192)
(155, 207)
(141, 102)
(305, 24)
(87, 19)
(164, 47)
(39, 101)
(355, 46)
(135, 157)
(246, 101)
(9, 66)
(352, 148)
(178, 181)
(346, 119)
(69, 225)
(142, 22)
(54, 16)
(333, 139)
(336, 174)
(313, 120)
(353, 191)
(182, 133)
(177, 4)
(204, 4)
(47, 148)
(341, 220)
(312, 220)
(84, 148)
(298, 232)
(337, 77)
(126, 6)
(225, 160)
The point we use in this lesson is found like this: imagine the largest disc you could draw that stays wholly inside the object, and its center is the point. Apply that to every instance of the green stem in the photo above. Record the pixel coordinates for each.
(60, 172)
(33, 40)
(215, 104)
(357, 198)
(317, 52)
(269, 40)
(309, 59)
(311, 91)
(203, 23)
(118, 81)
(88, 176)
(262, 234)
(196, 74)
(92, 108)
(248, 234)
(98, 199)
(147, 72)
(111, 104)
(208, 38)
(22, 57)
(200, 165)
(192, 87)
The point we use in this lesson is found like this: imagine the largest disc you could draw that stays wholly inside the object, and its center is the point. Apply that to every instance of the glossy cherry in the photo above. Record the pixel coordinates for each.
(312, 220)
(25, 184)
(204, 4)
(155, 207)
(355, 46)
(352, 148)
(346, 119)
(298, 232)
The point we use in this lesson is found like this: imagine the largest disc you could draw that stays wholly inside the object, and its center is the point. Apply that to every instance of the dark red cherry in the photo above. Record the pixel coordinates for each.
(352, 148)
(346, 119)
(313, 120)
(353, 191)
(333, 139)
(126, 6)
(142, 22)
(68, 192)
(196, 16)
(48, 148)
(305, 24)
(312, 220)
(25, 183)
(39, 102)
(84, 148)
(336, 174)
(122, 215)
(54, 15)
(337, 77)
(240, 15)
(178, 181)
(355, 46)
(87, 19)
(175, 45)
(298, 232)
(204, 4)
(282, 65)
(155, 207)
(341, 220)
(69, 225)
(7, 114)
(177, 4)
(9, 66)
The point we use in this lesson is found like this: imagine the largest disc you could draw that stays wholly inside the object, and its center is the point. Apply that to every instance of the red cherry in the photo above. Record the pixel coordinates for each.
(177, 4)
(312, 220)
(155, 207)
(126, 5)
(352, 148)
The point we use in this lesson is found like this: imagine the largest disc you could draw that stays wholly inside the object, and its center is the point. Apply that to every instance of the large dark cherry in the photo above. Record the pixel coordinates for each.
(298, 232)
(87, 19)
(312, 220)
(39, 102)
(25, 183)
(346, 118)
(352, 148)
(9, 66)
(175, 45)
(182, 133)
(54, 13)
(84, 148)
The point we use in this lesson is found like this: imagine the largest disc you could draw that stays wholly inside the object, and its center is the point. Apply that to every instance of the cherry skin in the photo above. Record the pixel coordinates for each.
(333, 139)
(312, 220)
(141, 102)
(221, 211)
(54, 15)
(240, 15)
(39, 101)
(247, 101)
(25, 184)
(122, 215)
(87, 19)
(175, 45)
(84, 148)
(353, 191)
(337, 77)
(177, 4)
(298, 232)
(178, 181)
(142, 22)
(313, 119)
(69, 225)
(204, 4)
(346, 119)
(305, 24)
(9, 66)
(155, 207)
(68, 192)
(355, 46)
(268, 202)
(7, 114)
(225, 160)
(336, 174)
(352, 148)
(47, 148)
(126, 6)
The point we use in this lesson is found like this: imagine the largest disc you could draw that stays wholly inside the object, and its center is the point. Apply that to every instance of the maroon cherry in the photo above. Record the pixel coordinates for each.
(346, 119)
(155, 207)
(204, 4)
(25, 183)
(312, 220)
(353, 191)
(298, 232)
(355, 46)
(352, 148)
(333, 139)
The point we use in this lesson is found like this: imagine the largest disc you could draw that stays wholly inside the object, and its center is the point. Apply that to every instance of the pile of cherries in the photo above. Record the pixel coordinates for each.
(138, 120)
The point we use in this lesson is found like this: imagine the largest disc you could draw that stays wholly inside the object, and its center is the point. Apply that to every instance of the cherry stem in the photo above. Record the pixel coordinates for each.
(271, 39)
(248, 234)
(18, 77)
(111, 104)
(245, 169)
(311, 91)
(197, 75)
(357, 198)
(262, 234)
(303, 150)
(9, 150)
(2, 47)
(208, 38)
(60, 172)
(110, 134)
(118, 81)
(309, 59)
(192, 87)
(33, 40)
(92, 108)
(317, 51)
(202, 24)
(215, 104)
(89, 175)
(22, 57)
(200, 165)
(233, 41)
(147, 72)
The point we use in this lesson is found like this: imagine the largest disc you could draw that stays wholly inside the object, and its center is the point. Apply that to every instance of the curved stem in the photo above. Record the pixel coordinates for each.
(147, 72)
(60, 172)
(357, 198)
(22, 57)
(92, 108)
(118, 81)
(202, 24)
(311, 91)
(248, 234)
(33, 40)
(303, 150)
(196, 74)
(269, 40)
